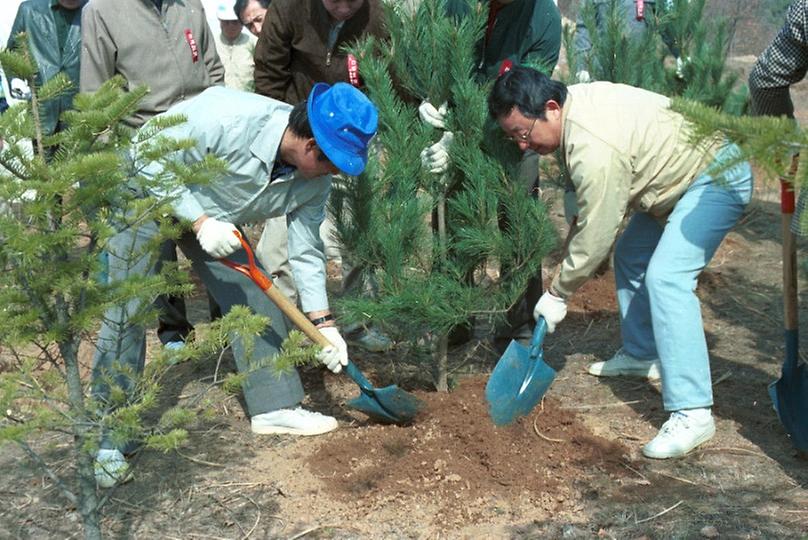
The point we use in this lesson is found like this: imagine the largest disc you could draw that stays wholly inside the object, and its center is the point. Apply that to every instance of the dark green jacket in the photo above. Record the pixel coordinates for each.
(38, 19)
(526, 32)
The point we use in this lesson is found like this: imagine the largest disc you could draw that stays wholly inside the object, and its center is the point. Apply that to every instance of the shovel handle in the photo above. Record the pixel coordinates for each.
(787, 207)
(291, 311)
(538, 337)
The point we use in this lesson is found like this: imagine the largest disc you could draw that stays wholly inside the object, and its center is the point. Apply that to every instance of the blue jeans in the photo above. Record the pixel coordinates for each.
(656, 270)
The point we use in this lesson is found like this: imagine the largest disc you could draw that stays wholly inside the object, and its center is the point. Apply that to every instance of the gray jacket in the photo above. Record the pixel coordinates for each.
(172, 52)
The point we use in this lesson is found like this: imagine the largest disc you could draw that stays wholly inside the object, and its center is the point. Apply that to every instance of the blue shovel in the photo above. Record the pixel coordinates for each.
(789, 393)
(519, 379)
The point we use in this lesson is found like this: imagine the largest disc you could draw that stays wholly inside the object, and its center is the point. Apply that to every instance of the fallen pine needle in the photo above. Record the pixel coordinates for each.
(200, 461)
(545, 437)
(635, 471)
(603, 406)
(310, 530)
(731, 449)
(685, 480)
(665, 511)
(723, 378)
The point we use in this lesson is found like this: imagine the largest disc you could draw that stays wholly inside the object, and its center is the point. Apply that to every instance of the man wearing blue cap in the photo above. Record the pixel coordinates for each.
(280, 161)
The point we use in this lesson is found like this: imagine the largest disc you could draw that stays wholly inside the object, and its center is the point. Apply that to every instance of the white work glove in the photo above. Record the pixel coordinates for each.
(336, 355)
(552, 308)
(19, 89)
(432, 116)
(570, 206)
(218, 238)
(435, 158)
(583, 76)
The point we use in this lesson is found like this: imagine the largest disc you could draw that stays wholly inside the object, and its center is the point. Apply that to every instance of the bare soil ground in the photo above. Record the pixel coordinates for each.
(572, 469)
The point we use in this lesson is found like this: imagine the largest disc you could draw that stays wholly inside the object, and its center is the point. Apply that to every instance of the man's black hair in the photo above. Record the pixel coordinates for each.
(241, 4)
(528, 90)
(299, 121)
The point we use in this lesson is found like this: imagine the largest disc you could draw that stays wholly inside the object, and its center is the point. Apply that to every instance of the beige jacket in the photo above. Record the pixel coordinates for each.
(237, 58)
(172, 52)
(624, 149)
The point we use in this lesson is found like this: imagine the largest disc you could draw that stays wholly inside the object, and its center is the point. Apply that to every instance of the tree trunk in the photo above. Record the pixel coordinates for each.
(85, 463)
(440, 374)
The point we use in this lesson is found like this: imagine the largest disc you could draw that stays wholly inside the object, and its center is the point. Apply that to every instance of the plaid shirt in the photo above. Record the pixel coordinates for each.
(782, 64)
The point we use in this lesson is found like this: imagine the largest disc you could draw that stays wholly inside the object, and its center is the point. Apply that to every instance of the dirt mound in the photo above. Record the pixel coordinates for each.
(454, 453)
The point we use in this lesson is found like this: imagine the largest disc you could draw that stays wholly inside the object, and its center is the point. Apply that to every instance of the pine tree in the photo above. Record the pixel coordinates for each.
(425, 239)
(63, 204)
(680, 30)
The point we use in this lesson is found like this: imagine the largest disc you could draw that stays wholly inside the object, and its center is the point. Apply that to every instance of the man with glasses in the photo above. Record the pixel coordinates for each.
(280, 161)
(626, 150)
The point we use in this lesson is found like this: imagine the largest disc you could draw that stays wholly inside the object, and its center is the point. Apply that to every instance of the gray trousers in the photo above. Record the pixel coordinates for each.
(121, 349)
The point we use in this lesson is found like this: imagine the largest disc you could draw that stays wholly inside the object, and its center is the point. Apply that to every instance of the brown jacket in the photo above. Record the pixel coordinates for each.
(292, 51)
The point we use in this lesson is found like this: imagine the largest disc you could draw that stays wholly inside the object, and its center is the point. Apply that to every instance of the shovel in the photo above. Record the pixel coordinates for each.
(519, 379)
(789, 393)
(389, 405)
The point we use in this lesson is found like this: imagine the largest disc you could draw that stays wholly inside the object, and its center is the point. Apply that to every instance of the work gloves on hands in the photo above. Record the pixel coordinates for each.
(218, 238)
(435, 158)
(583, 76)
(552, 308)
(336, 355)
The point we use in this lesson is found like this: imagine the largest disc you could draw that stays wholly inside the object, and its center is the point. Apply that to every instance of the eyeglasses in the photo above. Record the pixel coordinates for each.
(522, 137)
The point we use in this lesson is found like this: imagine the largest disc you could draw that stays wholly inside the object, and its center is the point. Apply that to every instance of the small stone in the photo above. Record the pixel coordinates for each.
(709, 532)
(453, 477)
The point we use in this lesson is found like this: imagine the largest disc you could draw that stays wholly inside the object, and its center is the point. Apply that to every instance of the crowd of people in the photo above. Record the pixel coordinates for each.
(281, 104)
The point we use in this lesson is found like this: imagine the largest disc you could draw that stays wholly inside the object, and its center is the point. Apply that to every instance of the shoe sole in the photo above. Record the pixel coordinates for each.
(282, 430)
(662, 455)
(625, 373)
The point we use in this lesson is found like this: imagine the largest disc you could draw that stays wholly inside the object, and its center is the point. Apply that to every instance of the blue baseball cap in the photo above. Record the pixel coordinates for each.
(343, 121)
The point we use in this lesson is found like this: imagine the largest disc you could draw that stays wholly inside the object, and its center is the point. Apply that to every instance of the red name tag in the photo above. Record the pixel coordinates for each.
(505, 67)
(353, 71)
(189, 37)
(640, 10)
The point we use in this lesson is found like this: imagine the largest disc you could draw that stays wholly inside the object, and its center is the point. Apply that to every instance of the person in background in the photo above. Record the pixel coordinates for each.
(235, 48)
(625, 149)
(251, 13)
(301, 44)
(519, 32)
(635, 15)
(53, 28)
(280, 161)
(169, 47)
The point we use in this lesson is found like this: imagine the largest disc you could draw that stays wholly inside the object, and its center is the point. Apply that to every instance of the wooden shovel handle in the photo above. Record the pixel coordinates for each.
(297, 317)
(787, 207)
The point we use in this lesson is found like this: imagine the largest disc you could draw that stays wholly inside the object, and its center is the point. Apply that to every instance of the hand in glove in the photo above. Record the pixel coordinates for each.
(435, 158)
(218, 238)
(552, 308)
(335, 355)
(432, 116)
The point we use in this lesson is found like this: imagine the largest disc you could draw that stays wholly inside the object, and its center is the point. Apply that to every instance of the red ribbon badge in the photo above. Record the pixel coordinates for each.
(189, 37)
(505, 67)
(353, 71)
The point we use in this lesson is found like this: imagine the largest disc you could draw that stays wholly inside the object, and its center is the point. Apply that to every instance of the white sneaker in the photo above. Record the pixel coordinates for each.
(111, 468)
(684, 431)
(372, 340)
(623, 363)
(297, 421)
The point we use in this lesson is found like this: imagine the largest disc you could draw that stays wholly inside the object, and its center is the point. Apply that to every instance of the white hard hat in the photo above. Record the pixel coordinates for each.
(225, 11)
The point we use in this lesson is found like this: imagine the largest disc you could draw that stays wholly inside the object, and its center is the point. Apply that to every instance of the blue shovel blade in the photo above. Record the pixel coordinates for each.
(519, 380)
(789, 394)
